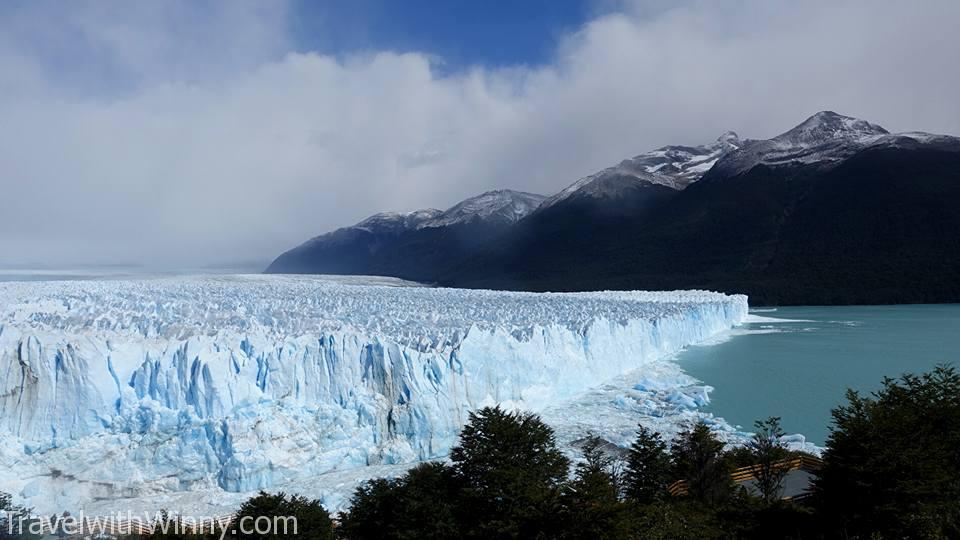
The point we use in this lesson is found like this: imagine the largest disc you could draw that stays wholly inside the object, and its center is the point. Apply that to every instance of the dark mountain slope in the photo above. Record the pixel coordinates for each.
(552, 244)
(880, 227)
(561, 236)
(349, 250)
(836, 210)
(414, 245)
(421, 254)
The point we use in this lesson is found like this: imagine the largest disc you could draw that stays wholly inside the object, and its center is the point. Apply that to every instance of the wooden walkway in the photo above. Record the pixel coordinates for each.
(746, 475)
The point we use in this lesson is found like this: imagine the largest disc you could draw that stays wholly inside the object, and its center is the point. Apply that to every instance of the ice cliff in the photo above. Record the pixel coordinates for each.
(112, 389)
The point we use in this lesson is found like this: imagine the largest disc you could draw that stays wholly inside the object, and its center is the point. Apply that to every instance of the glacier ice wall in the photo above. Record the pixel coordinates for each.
(113, 389)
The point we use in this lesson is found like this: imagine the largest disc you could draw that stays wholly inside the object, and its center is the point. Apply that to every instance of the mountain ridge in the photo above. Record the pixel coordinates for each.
(728, 216)
(375, 245)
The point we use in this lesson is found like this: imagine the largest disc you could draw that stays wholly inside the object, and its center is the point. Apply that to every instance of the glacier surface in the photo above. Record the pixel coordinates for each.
(196, 391)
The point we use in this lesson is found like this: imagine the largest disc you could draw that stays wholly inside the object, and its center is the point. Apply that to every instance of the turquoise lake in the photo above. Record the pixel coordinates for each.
(800, 370)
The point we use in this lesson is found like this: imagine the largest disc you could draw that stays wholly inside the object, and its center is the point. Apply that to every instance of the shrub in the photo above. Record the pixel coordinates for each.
(891, 460)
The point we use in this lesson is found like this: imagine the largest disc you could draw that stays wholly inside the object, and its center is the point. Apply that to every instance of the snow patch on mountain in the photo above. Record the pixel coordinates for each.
(825, 138)
(397, 221)
(675, 167)
(502, 206)
(199, 389)
(498, 207)
(826, 126)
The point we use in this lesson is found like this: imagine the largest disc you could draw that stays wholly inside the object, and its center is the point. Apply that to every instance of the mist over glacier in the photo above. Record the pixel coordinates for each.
(205, 388)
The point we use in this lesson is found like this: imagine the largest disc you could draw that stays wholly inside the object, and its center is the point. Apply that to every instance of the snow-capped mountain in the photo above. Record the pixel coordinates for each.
(394, 222)
(760, 216)
(497, 207)
(383, 243)
(502, 206)
(190, 393)
(835, 210)
(675, 167)
(825, 138)
(827, 126)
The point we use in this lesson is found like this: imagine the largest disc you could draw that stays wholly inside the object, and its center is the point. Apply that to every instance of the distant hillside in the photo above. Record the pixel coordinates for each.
(414, 245)
(834, 211)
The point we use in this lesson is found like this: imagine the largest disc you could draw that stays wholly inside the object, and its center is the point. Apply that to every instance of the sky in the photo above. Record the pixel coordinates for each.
(186, 133)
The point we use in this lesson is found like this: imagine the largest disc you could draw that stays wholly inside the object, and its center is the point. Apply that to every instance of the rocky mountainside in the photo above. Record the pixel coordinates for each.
(836, 210)
(674, 167)
(413, 244)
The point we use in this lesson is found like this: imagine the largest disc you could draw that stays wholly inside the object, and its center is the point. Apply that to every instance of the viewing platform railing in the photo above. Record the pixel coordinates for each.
(744, 474)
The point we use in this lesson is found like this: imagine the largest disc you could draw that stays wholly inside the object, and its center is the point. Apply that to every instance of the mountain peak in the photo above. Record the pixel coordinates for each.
(826, 138)
(503, 206)
(729, 138)
(827, 126)
(385, 221)
(674, 167)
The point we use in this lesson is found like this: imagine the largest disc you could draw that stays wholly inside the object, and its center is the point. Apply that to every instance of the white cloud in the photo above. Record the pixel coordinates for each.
(218, 146)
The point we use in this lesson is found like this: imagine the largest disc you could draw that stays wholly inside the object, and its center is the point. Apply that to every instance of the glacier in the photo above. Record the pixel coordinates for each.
(197, 390)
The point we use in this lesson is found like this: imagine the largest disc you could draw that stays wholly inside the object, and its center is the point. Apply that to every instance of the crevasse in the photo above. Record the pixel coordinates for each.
(122, 388)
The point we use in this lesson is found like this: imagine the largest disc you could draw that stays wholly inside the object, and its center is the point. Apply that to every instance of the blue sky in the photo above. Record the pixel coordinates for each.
(456, 34)
(186, 132)
(463, 33)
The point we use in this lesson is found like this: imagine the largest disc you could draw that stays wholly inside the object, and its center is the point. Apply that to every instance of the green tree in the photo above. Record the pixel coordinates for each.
(274, 512)
(15, 520)
(767, 450)
(373, 512)
(8, 515)
(591, 503)
(420, 505)
(891, 460)
(428, 509)
(698, 458)
(168, 527)
(512, 472)
(648, 469)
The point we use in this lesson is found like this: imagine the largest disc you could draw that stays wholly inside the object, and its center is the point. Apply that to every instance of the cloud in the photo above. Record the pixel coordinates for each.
(187, 133)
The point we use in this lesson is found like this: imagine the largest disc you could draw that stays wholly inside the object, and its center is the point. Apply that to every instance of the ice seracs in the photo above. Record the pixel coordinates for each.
(152, 388)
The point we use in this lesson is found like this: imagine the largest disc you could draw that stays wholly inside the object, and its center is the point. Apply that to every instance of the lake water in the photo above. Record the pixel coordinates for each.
(800, 370)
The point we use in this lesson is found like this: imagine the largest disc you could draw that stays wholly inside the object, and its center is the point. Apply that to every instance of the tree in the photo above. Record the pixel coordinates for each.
(14, 522)
(167, 527)
(591, 502)
(648, 471)
(420, 505)
(429, 502)
(8, 515)
(676, 520)
(697, 457)
(767, 450)
(512, 471)
(373, 512)
(269, 516)
(6, 506)
(891, 460)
